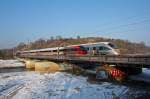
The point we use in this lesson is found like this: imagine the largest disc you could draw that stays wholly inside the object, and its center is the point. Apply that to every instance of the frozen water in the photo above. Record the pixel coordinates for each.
(60, 85)
(10, 63)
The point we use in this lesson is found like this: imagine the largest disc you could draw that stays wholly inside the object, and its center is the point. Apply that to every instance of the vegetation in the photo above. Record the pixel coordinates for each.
(6, 54)
(125, 46)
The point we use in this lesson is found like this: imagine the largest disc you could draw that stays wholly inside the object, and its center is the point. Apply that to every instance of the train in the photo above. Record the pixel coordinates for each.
(99, 48)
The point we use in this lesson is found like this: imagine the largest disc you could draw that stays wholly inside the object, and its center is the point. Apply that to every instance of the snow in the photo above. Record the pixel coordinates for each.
(10, 63)
(60, 85)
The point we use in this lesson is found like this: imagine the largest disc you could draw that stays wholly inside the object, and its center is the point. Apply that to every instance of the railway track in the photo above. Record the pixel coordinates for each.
(10, 92)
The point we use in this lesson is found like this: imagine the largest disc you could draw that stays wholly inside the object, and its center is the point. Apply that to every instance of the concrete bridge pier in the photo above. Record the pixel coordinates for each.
(30, 64)
(47, 66)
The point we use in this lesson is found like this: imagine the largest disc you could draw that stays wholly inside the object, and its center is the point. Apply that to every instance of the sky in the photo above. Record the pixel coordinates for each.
(29, 20)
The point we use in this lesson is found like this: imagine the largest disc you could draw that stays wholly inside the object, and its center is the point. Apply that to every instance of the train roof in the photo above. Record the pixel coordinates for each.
(45, 49)
(90, 44)
(55, 48)
(96, 43)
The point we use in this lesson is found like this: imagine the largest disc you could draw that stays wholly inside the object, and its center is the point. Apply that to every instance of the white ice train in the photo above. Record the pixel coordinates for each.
(101, 48)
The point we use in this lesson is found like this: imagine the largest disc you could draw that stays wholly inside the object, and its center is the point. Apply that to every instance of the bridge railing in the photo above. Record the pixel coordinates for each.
(142, 60)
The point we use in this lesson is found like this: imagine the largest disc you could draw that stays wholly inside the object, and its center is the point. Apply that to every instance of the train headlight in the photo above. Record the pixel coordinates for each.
(117, 51)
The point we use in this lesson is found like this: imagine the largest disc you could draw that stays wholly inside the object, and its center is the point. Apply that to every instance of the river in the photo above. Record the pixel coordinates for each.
(23, 84)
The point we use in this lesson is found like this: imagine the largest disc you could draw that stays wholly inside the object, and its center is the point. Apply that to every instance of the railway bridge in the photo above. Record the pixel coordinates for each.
(117, 66)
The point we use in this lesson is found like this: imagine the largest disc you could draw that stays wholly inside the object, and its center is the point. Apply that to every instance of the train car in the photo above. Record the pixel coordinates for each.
(75, 50)
(101, 48)
(51, 51)
(42, 52)
(69, 50)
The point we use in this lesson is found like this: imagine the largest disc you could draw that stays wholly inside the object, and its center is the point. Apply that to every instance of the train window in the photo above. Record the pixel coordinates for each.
(105, 48)
(65, 50)
(61, 50)
(100, 48)
(54, 50)
(68, 49)
(112, 45)
(94, 48)
(87, 48)
(74, 49)
(83, 48)
(71, 49)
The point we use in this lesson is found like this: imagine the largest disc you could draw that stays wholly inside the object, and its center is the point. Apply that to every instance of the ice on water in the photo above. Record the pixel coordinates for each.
(59, 85)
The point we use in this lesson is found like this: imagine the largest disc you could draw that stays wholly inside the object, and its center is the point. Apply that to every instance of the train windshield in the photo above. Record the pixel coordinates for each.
(83, 48)
(112, 45)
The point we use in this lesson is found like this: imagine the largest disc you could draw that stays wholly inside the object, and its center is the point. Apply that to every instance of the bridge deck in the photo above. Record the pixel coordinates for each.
(120, 60)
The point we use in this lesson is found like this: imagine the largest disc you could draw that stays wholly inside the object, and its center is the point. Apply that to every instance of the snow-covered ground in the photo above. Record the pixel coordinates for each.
(10, 63)
(60, 85)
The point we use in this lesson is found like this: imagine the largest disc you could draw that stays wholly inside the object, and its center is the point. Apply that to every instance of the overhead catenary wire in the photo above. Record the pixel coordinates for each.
(102, 31)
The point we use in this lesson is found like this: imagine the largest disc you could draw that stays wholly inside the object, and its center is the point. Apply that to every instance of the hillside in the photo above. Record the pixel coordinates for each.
(125, 46)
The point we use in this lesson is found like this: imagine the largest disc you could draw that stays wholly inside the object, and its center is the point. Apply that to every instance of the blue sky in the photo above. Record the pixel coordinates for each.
(28, 20)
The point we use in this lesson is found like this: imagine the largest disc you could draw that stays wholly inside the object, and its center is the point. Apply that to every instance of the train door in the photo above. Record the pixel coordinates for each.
(95, 51)
(103, 50)
(89, 50)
